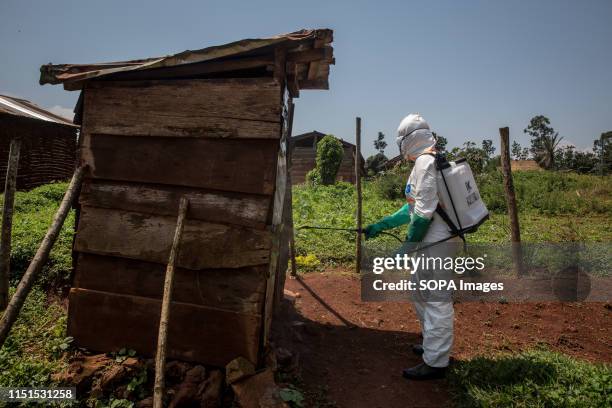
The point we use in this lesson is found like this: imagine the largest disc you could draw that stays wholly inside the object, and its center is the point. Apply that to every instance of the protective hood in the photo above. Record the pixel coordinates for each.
(414, 136)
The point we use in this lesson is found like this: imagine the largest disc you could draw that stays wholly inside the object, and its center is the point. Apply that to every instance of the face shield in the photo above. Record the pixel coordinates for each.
(414, 136)
(416, 143)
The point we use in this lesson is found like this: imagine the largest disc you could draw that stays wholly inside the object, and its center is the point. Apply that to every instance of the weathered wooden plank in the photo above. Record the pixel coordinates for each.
(226, 165)
(106, 322)
(277, 234)
(238, 108)
(240, 209)
(237, 290)
(148, 238)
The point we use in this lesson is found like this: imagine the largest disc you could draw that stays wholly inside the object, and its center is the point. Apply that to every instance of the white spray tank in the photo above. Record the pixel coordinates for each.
(459, 195)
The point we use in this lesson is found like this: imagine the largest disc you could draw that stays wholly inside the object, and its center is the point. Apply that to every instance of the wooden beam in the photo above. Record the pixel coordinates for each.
(290, 191)
(313, 84)
(292, 81)
(358, 188)
(314, 54)
(160, 356)
(515, 230)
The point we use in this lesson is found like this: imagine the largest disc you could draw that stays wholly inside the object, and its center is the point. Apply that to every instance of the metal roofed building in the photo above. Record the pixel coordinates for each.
(48, 142)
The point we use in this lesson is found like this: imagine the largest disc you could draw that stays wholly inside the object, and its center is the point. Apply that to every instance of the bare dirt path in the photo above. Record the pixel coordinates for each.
(356, 350)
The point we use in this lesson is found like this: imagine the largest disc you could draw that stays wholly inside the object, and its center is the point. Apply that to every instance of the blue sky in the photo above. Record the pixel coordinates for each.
(469, 67)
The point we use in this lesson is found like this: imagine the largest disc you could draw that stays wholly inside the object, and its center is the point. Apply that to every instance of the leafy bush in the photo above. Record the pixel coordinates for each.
(329, 158)
(307, 263)
(390, 185)
(375, 164)
(537, 378)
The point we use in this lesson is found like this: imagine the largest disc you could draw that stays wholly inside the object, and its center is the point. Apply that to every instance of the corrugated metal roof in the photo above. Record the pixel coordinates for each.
(23, 108)
(312, 76)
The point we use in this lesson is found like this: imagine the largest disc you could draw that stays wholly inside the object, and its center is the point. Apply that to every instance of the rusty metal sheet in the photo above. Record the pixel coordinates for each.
(23, 108)
(75, 73)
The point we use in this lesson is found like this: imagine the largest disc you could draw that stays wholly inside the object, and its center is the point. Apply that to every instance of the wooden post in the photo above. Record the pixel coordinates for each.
(160, 356)
(515, 230)
(7, 220)
(358, 189)
(290, 188)
(42, 254)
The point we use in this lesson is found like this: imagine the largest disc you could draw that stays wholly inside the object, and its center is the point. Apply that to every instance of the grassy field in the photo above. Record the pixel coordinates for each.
(36, 344)
(554, 207)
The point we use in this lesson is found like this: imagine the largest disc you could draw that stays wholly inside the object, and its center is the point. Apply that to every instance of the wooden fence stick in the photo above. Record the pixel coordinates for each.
(7, 220)
(515, 230)
(160, 356)
(358, 188)
(42, 254)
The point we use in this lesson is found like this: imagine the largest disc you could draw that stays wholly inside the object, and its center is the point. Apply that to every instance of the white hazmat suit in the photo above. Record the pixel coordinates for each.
(415, 139)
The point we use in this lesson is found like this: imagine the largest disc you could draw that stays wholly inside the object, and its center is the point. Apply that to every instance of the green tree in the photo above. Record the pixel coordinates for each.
(544, 141)
(441, 142)
(516, 150)
(602, 148)
(487, 148)
(375, 164)
(380, 144)
(525, 153)
(329, 158)
(476, 157)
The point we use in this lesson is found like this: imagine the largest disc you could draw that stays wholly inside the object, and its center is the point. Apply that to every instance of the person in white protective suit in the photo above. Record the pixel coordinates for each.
(417, 143)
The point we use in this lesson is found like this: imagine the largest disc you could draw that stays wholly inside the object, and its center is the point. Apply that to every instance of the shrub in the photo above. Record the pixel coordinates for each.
(329, 158)
(390, 186)
(375, 164)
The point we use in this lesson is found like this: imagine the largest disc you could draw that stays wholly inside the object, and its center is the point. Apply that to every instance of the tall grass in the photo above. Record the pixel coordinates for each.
(34, 211)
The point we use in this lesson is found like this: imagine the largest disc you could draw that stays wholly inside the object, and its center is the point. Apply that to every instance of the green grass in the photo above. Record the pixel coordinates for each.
(536, 378)
(34, 348)
(34, 211)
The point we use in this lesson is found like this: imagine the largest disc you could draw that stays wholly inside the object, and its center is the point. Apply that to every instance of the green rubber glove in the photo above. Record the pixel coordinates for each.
(418, 228)
(400, 217)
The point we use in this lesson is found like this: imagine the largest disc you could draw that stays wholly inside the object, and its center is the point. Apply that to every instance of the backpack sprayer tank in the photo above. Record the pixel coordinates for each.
(459, 195)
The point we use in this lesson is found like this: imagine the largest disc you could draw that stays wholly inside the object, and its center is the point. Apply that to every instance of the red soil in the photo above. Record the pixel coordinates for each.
(357, 350)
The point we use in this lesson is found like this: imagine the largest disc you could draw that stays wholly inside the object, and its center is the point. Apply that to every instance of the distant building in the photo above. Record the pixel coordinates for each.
(393, 162)
(520, 165)
(304, 154)
(48, 143)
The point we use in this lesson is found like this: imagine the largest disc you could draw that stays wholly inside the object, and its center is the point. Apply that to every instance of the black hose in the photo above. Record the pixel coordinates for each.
(347, 229)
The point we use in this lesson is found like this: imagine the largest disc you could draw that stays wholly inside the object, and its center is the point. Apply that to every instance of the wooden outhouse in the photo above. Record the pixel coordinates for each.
(304, 154)
(210, 125)
(48, 143)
